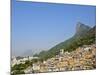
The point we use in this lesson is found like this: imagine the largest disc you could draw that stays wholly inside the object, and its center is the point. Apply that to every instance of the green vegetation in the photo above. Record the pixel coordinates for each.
(18, 69)
(18, 72)
(85, 37)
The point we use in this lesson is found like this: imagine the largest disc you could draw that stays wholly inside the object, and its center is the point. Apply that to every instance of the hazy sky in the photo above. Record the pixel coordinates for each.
(40, 26)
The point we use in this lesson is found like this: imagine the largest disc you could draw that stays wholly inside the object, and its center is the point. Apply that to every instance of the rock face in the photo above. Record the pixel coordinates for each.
(81, 57)
(83, 32)
(81, 29)
(92, 31)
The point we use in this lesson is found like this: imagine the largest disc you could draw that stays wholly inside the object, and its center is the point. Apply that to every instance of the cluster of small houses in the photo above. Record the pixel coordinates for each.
(83, 58)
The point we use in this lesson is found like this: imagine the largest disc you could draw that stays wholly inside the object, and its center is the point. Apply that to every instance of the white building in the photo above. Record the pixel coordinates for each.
(61, 51)
(25, 59)
(87, 48)
(30, 58)
(67, 53)
(14, 61)
(28, 70)
(36, 67)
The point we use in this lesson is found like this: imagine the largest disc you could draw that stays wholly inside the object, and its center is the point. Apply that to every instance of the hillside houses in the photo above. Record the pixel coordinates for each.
(80, 59)
(21, 60)
(83, 58)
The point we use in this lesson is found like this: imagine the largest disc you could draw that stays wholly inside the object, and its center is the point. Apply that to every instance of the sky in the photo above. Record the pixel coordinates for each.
(40, 26)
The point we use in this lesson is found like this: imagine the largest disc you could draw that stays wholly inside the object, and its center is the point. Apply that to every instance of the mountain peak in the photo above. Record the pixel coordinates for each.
(79, 24)
(81, 28)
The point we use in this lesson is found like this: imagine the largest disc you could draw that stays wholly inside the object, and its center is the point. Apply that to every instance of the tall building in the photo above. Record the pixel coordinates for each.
(61, 51)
